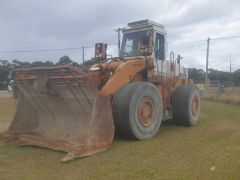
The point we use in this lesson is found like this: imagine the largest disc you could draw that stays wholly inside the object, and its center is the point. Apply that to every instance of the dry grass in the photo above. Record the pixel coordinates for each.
(230, 98)
(7, 109)
(209, 150)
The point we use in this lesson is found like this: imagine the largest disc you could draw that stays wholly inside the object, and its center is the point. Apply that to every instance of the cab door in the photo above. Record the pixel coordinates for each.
(159, 54)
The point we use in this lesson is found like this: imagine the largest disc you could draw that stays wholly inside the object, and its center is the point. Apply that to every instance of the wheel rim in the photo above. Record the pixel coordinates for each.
(195, 106)
(146, 112)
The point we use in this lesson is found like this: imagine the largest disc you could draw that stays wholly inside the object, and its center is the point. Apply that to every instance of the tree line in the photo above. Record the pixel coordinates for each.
(198, 75)
(6, 67)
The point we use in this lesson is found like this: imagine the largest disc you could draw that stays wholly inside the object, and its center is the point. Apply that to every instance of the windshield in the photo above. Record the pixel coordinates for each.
(131, 43)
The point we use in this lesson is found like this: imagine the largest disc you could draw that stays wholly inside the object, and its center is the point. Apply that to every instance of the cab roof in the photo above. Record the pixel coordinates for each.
(144, 25)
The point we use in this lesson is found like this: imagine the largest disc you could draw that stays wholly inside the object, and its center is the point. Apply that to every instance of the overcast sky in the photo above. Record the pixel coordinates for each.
(50, 24)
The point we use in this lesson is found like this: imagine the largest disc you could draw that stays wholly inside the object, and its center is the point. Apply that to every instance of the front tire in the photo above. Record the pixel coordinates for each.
(137, 110)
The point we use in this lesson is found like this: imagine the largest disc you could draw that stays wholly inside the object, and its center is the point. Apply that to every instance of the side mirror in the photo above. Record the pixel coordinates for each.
(146, 45)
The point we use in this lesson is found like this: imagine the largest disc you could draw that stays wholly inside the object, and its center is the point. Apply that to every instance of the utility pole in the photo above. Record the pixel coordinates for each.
(207, 56)
(230, 66)
(119, 42)
(83, 54)
(231, 75)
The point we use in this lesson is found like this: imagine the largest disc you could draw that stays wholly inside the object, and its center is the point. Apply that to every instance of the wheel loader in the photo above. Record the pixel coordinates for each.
(78, 110)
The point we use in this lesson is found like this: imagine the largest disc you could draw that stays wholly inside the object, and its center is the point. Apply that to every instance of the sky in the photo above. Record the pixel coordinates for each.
(53, 24)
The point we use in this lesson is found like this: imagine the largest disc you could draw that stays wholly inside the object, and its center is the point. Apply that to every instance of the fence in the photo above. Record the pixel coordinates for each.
(218, 87)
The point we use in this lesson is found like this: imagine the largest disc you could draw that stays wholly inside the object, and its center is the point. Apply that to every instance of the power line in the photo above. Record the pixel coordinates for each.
(203, 40)
(40, 50)
(235, 58)
(225, 57)
(55, 49)
(112, 44)
(228, 37)
(183, 42)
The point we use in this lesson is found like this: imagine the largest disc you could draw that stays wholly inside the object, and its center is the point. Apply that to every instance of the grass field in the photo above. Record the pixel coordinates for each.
(175, 153)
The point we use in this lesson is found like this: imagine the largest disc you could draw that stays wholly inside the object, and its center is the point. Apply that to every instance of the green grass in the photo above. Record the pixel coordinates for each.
(175, 153)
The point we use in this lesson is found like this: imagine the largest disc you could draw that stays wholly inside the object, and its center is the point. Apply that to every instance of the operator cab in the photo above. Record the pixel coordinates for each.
(137, 32)
(149, 39)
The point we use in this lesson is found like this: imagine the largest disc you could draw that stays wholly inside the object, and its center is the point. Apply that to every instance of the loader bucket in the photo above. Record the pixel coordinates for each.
(58, 109)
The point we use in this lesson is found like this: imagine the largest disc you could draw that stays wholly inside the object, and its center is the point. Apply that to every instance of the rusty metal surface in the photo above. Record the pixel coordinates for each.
(58, 109)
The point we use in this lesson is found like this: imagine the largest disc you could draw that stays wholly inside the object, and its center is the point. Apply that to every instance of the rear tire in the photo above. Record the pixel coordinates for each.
(186, 105)
(137, 110)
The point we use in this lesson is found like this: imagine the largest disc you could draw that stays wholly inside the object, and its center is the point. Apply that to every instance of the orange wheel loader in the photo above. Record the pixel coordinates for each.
(77, 111)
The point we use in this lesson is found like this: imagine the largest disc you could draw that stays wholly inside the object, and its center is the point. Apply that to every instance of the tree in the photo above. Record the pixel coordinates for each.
(64, 60)
(89, 63)
(48, 63)
(20, 64)
(196, 74)
(37, 64)
(75, 64)
(214, 75)
(217, 75)
(3, 62)
(5, 69)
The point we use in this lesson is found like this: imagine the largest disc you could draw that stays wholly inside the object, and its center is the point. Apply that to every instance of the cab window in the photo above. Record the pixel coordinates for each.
(159, 46)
